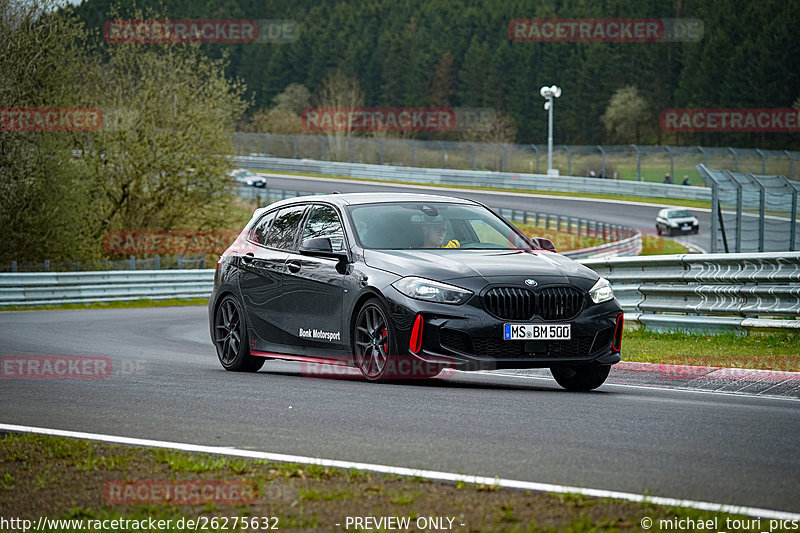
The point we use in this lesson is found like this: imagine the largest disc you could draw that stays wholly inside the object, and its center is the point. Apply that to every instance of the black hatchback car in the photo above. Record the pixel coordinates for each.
(404, 285)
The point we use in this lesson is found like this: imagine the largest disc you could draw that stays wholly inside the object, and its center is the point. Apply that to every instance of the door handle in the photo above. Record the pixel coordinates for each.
(248, 257)
(293, 266)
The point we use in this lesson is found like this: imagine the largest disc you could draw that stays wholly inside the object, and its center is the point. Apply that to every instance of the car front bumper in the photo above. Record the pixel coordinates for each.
(468, 338)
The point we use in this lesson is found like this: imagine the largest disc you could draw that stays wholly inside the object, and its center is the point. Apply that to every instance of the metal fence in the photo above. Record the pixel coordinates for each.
(156, 262)
(505, 180)
(51, 288)
(707, 291)
(751, 213)
(629, 162)
(690, 292)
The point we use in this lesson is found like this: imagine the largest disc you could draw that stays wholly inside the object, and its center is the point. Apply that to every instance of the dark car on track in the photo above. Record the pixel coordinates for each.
(404, 285)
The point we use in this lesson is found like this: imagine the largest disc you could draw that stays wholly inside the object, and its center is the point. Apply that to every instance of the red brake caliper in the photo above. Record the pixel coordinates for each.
(386, 343)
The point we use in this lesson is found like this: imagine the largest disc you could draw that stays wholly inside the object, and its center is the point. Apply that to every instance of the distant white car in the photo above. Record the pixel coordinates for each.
(672, 221)
(245, 177)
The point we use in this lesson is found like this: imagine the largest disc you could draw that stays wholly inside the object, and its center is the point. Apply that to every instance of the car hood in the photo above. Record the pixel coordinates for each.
(493, 265)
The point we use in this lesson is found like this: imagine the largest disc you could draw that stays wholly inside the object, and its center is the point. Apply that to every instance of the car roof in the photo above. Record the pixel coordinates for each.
(357, 198)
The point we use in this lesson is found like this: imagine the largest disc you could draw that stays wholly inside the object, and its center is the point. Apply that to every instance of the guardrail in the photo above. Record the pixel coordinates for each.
(505, 157)
(707, 291)
(52, 288)
(475, 178)
(688, 292)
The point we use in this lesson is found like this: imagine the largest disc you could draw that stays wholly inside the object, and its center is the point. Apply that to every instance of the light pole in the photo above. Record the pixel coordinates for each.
(549, 94)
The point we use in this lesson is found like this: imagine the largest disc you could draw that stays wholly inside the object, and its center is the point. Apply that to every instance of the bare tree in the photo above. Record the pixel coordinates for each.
(342, 92)
(496, 127)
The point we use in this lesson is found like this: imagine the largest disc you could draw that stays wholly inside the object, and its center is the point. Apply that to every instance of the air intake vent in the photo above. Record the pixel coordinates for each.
(552, 303)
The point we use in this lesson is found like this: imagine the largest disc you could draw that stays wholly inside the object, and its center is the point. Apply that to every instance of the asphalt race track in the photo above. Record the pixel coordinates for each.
(166, 384)
(639, 216)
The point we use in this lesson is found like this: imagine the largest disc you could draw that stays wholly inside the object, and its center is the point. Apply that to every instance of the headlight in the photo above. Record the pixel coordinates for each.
(601, 292)
(432, 291)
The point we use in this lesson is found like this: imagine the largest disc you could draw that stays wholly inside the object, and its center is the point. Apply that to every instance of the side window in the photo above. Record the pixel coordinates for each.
(324, 222)
(285, 227)
(262, 227)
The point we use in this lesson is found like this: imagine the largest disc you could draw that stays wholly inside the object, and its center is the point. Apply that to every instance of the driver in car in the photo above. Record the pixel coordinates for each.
(434, 232)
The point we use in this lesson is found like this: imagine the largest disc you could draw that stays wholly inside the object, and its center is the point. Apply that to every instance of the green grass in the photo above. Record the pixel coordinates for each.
(764, 351)
(302, 497)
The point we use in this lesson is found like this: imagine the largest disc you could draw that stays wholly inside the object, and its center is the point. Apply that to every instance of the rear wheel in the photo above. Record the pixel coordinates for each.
(230, 338)
(582, 378)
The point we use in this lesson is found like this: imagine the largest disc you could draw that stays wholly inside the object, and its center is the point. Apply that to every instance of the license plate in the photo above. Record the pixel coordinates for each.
(686, 226)
(549, 332)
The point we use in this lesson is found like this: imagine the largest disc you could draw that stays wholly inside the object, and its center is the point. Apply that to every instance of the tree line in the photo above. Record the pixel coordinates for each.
(458, 53)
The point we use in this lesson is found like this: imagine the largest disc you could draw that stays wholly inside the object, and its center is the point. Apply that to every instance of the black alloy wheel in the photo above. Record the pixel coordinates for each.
(373, 342)
(230, 338)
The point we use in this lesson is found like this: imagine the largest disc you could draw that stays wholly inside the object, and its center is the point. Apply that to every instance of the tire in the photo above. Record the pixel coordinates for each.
(658, 230)
(695, 230)
(230, 338)
(582, 378)
(374, 341)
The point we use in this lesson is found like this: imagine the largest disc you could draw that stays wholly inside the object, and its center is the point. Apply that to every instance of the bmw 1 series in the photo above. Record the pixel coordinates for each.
(406, 285)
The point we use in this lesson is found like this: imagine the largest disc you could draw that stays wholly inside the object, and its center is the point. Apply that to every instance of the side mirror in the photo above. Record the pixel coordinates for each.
(544, 244)
(321, 246)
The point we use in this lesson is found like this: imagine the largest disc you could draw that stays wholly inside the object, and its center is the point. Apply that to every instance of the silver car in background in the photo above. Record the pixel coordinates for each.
(672, 221)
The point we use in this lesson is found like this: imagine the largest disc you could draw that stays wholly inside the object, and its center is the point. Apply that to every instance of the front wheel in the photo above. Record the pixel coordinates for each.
(373, 341)
(230, 338)
(582, 378)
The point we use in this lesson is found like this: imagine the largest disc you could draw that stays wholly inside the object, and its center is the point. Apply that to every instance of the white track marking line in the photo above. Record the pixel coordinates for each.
(653, 387)
(410, 472)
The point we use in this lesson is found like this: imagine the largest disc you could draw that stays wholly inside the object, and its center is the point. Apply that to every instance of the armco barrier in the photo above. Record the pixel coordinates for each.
(707, 291)
(702, 292)
(50, 288)
(475, 178)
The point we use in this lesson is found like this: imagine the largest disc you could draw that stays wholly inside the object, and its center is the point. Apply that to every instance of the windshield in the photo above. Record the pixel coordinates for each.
(679, 214)
(411, 226)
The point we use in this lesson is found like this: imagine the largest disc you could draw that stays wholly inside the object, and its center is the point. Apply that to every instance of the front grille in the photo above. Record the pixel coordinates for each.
(503, 349)
(552, 303)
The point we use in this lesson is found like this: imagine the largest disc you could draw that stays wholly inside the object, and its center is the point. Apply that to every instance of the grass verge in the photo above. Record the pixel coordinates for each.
(765, 351)
(85, 480)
